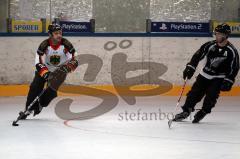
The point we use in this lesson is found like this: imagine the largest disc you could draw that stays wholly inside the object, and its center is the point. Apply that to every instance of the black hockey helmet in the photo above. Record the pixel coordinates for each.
(223, 28)
(54, 27)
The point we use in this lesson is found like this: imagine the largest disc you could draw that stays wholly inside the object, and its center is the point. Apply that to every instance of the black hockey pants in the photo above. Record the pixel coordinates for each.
(36, 87)
(203, 87)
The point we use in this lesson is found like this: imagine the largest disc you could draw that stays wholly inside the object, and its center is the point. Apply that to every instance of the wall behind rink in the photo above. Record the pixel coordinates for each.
(106, 55)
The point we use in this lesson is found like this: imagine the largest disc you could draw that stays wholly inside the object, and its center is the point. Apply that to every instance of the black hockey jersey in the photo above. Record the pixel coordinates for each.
(221, 62)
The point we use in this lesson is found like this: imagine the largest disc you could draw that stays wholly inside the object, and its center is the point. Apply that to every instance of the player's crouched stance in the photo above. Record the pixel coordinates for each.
(218, 74)
(51, 54)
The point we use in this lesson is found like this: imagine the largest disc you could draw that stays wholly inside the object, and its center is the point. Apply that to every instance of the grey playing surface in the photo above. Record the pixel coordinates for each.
(125, 132)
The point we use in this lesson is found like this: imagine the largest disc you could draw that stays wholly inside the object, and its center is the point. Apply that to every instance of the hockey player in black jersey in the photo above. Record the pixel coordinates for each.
(218, 74)
(51, 54)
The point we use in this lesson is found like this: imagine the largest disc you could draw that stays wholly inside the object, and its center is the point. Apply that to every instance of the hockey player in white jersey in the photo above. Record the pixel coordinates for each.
(51, 54)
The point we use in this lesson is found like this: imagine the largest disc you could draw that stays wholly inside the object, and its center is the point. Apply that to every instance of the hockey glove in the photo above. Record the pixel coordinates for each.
(70, 66)
(226, 85)
(188, 72)
(42, 70)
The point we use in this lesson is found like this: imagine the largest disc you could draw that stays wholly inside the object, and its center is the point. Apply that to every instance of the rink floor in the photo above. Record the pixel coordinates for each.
(114, 136)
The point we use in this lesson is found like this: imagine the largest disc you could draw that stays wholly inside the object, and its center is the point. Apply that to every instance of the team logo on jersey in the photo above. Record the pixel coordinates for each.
(215, 63)
(55, 59)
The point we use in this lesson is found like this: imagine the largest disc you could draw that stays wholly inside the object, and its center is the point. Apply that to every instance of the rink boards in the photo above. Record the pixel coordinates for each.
(108, 62)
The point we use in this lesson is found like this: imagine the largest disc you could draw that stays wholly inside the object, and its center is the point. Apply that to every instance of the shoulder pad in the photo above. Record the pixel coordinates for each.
(42, 47)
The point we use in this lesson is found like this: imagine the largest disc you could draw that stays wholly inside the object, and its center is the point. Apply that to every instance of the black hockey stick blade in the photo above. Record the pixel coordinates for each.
(14, 123)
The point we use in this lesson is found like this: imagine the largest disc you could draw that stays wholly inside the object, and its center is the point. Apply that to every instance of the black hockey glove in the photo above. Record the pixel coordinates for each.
(42, 70)
(188, 72)
(226, 85)
(70, 66)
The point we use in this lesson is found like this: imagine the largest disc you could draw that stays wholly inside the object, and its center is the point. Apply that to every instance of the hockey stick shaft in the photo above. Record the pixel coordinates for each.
(181, 94)
(29, 107)
(178, 102)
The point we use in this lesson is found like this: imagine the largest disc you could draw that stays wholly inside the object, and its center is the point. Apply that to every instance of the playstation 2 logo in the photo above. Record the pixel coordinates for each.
(163, 27)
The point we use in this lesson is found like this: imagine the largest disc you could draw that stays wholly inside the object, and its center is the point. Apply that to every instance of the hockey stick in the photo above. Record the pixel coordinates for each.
(22, 114)
(178, 102)
(55, 80)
